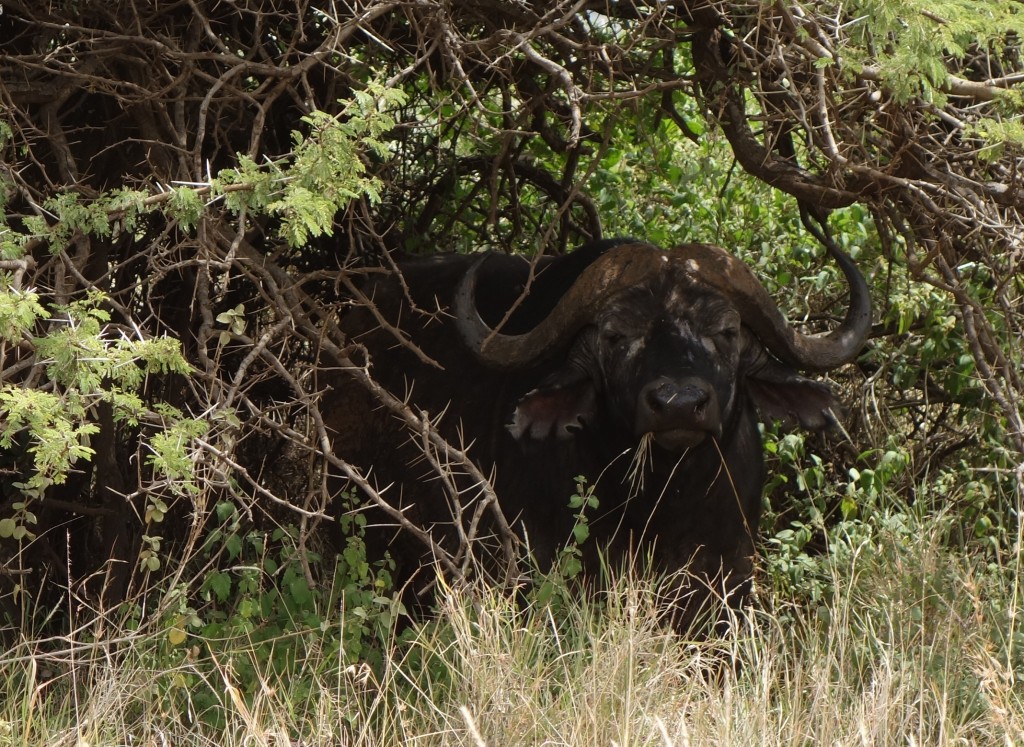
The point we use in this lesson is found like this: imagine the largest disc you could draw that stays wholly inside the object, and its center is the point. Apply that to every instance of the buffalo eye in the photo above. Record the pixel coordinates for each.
(611, 338)
(727, 336)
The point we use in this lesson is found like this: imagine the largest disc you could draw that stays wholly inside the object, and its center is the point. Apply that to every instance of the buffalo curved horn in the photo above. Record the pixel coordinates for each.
(629, 265)
(816, 352)
(619, 268)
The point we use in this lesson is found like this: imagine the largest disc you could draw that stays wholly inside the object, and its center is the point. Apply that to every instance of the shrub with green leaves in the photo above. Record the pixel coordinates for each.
(88, 377)
(86, 367)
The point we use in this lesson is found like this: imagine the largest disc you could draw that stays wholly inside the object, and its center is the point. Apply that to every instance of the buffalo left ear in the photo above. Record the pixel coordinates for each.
(562, 404)
(782, 394)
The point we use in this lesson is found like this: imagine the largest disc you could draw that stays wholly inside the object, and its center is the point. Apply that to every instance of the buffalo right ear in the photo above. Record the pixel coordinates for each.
(782, 394)
(558, 408)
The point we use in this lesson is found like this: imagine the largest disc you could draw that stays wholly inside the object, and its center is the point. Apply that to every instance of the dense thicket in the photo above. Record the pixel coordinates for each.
(221, 171)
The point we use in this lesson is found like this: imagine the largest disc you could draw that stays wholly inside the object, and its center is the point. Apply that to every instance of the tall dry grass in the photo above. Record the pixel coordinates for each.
(916, 644)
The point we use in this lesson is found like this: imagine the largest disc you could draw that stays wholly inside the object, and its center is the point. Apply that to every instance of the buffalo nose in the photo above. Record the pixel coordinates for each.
(669, 405)
(666, 396)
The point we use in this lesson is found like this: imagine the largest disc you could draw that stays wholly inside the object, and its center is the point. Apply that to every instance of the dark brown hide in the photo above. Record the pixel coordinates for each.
(649, 382)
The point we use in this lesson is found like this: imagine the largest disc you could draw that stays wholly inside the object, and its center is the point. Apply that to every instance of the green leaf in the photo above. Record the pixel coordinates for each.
(224, 510)
(19, 311)
(186, 206)
(572, 567)
(233, 546)
(299, 591)
(176, 636)
(220, 584)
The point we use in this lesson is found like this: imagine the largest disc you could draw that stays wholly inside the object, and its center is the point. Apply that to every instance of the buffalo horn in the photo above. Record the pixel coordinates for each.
(629, 265)
(624, 266)
(817, 352)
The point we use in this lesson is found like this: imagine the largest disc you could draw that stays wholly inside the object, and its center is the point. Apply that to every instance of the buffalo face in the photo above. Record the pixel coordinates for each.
(668, 343)
(667, 354)
(671, 358)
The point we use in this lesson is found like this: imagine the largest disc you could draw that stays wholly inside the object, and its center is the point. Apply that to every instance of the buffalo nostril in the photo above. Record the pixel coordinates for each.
(665, 397)
(660, 397)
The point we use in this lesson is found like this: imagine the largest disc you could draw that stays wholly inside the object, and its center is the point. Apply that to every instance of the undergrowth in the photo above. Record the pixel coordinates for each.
(903, 638)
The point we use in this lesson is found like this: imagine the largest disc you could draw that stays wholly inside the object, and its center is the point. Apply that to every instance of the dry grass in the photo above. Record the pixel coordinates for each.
(916, 646)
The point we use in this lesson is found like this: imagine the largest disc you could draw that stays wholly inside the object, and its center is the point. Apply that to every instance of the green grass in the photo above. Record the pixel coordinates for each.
(915, 643)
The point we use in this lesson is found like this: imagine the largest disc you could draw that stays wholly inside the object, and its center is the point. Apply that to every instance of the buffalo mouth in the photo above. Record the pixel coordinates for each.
(679, 439)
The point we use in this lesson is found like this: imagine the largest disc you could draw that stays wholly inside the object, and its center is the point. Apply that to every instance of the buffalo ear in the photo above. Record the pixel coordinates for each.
(562, 404)
(782, 394)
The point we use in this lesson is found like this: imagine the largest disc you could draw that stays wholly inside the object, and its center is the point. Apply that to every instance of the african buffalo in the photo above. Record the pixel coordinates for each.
(645, 371)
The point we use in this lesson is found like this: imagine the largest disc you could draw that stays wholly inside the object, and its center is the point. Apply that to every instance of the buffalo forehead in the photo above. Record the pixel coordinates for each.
(676, 299)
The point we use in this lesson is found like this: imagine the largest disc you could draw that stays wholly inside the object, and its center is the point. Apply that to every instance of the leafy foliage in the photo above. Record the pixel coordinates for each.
(85, 368)
(19, 312)
(97, 371)
(326, 171)
(555, 587)
(912, 40)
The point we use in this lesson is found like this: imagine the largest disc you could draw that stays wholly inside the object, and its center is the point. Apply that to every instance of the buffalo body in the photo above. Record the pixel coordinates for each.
(644, 371)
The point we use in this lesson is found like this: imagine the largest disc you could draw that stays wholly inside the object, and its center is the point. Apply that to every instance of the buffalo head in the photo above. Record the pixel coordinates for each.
(668, 342)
